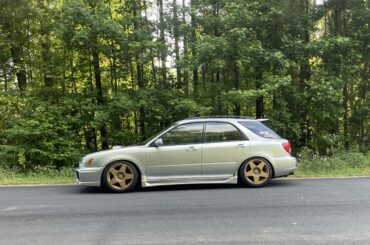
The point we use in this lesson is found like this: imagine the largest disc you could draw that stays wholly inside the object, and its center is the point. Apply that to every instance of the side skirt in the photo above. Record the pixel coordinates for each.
(184, 181)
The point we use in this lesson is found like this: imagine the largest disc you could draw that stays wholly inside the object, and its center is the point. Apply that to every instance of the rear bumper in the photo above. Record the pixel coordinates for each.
(284, 166)
(89, 176)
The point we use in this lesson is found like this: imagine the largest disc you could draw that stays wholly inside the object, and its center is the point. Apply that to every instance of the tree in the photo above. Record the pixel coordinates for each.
(78, 76)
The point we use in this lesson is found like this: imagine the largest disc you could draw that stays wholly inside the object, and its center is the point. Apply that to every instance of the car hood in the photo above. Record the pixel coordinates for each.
(123, 149)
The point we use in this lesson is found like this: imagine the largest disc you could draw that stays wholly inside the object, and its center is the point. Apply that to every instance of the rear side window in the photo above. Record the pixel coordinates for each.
(221, 132)
(260, 129)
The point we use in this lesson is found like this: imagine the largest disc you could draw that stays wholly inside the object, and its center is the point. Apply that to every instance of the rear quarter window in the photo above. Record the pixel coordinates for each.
(260, 129)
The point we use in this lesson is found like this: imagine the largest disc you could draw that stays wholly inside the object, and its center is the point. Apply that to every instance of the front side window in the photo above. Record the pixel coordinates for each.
(221, 132)
(191, 133)
(260, 129)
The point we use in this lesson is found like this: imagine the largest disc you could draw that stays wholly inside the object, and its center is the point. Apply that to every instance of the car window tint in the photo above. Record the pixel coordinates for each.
(220, 132)
(191, 133)
(260, 129)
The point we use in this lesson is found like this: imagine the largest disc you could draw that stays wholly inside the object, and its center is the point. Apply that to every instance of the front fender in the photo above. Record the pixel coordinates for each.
(134, 160)
(135, 155)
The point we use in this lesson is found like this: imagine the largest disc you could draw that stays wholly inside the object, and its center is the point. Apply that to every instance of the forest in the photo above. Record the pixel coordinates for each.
(78, 76)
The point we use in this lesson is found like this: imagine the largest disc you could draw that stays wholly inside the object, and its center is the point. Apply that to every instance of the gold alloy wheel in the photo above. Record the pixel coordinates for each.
(256, 171)
(120, 176)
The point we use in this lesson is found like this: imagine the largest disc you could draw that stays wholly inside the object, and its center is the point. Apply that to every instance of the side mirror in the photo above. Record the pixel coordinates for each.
(158, 142)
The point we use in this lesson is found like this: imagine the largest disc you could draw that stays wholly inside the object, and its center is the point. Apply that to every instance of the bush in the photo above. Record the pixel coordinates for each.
(40, 175)
(341, 160)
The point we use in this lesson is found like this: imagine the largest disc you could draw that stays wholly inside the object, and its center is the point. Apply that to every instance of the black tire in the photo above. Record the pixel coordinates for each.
(256, 177)
(123, 184)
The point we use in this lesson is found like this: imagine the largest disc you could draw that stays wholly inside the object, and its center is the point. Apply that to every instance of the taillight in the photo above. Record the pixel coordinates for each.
(287, 148)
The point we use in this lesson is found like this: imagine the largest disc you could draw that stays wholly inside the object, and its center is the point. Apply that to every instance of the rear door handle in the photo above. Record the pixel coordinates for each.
(240, 146)
(191, 148)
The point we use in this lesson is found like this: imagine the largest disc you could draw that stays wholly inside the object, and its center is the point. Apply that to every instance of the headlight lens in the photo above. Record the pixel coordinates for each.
(89, 161)
(86, 162)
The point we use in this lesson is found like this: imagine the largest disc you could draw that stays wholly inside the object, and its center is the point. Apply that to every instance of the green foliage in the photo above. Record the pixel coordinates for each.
(41, 175)
(43, 135)
(78, 76)
(310, 162)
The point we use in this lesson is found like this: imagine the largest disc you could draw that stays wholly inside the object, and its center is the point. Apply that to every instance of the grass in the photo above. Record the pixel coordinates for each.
(343, 172)
(41, 176)
(340, 164)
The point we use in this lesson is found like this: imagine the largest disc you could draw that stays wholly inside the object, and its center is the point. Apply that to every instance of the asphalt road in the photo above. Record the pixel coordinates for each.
(335, 211)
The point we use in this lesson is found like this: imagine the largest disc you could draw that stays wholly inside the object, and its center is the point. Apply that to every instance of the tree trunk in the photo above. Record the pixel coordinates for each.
(304, 76)
(46, 59)
(176, 37)
(259, 99)
(140, 81)
(163, 48)
(45, 43)
(21, 73)
(99, 96)
(9, 23)
(339, 9)
(140, 67)
(5, 80)
(185, 44)
(345, 115)
(236, 87)
(193, 51)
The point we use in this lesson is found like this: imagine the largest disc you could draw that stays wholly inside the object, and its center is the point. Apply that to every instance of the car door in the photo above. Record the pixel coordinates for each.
(179, 155)
(225, 147)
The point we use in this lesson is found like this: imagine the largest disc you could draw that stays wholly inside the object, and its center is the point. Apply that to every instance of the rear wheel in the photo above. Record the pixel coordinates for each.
(255, 172)
(120, 176)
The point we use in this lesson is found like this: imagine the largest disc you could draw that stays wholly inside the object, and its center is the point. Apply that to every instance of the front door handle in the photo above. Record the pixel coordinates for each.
(191, 148)
(240, 146)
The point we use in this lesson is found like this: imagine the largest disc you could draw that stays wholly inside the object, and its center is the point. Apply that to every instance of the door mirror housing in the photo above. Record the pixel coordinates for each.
(158, 142)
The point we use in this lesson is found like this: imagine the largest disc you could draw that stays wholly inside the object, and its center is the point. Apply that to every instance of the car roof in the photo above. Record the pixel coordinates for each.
(218, 119)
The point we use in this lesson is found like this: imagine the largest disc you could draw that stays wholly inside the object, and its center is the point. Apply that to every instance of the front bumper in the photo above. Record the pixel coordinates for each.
(284, 166)
(89, 176)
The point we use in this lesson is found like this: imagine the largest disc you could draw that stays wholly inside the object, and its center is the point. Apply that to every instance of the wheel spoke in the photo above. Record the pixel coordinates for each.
(113, 171)
(123, 168)
(122, 184)
(113, 181)
(261, 165)
(128, 176)
(256, 179)
(264, 174)
(252, 165)
(249, 173)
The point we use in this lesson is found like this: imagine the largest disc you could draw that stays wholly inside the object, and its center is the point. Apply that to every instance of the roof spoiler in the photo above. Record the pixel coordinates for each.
(198, 115)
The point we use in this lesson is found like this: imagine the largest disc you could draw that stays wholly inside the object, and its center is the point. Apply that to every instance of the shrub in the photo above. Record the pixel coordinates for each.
(308, 161)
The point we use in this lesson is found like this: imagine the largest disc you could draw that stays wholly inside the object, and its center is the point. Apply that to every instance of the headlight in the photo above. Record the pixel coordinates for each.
(86, 162)
(89, 161)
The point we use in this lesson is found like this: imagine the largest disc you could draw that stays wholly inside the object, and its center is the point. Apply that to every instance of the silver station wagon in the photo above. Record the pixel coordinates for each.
(193, 151)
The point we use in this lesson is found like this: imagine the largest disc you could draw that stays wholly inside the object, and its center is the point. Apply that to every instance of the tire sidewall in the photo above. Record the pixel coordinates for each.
(133, 185)
(244, 178)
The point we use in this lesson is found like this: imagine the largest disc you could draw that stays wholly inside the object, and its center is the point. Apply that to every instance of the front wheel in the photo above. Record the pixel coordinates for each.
(255, 172)
(120, 176)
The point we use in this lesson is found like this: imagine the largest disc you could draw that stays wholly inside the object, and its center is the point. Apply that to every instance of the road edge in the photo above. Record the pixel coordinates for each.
(327, 177)
(38, 185)
(288, 178)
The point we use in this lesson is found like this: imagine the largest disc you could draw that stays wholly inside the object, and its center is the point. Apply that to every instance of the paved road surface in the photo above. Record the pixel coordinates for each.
(335, 211)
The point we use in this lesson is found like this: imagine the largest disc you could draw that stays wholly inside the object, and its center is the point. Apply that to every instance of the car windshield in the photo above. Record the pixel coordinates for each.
(260, 129)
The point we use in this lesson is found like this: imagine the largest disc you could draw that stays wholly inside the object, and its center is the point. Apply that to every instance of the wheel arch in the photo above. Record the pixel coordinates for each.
(252, 157)
(122, 160)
